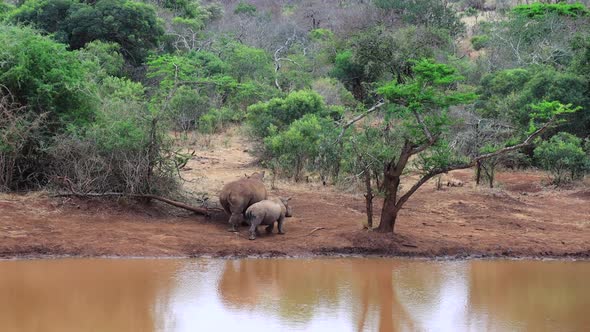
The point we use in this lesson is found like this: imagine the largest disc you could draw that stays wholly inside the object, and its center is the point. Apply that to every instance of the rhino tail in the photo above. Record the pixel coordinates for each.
(249, 216)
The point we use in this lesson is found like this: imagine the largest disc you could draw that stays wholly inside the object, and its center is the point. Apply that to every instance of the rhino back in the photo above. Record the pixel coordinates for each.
(242, 193)
(267, 208)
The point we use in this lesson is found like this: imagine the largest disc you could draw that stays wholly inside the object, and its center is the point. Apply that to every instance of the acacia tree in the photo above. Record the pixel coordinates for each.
(418, 116)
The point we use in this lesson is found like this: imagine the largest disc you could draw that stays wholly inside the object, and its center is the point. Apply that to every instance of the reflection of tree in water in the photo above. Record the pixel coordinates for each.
(296, 289)
(298, 285)
(84, 295)
(535, 295)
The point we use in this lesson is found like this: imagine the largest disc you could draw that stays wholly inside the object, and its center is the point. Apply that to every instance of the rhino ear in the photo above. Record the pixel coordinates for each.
(288, 198)
(246, 176)
(262, 175)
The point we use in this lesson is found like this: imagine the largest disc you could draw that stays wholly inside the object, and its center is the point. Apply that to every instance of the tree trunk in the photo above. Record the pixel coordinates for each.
(152, 151)
(390, 209)
(298, 167)
(388, 216)
(369, 198)
(478, 173)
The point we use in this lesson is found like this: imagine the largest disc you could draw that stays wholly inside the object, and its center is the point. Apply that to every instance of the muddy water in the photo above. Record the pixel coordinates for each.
(349, 294)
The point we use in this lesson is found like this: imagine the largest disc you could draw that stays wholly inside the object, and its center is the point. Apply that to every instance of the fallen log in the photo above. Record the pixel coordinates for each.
(198, 210)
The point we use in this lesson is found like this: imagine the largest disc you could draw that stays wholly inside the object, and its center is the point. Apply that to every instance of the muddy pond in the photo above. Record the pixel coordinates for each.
(337, 294)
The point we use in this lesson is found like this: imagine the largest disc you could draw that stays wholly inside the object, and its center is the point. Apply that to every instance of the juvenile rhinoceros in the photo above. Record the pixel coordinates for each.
(266, 213)
(237, 196)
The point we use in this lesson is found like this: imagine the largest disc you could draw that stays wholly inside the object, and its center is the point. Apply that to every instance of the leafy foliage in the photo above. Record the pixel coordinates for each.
(427, 95)
(380, 53)
(245, 8)
(103, 58)
(424, 12)
(479, 42)
(46, 78)
(132, 25)
(97, 108)
(300, 143)
(278, 113)
(509, 94)
(563, 157)
(539, 9)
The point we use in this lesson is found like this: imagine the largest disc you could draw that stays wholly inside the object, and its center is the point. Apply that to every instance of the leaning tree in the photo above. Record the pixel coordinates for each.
(416, 128)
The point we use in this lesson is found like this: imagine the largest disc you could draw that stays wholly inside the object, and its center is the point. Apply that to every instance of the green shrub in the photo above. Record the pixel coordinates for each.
(125, 149)
(186, 107)
(104, 58)
(539, 9)
(4, 9)
(215, 120)
(245, 8)
(479, 42)
(279, 113)
(132, 25)
(46, 78)
(563, 157)
(298, 146)
(321, 34)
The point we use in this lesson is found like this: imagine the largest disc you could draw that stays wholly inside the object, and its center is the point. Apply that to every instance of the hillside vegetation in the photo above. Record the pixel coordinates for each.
(355, 92)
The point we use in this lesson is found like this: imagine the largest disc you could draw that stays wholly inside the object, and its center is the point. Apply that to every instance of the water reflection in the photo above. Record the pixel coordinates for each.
(290, 294)
(83, 295)
(370, 293)
(533, 296)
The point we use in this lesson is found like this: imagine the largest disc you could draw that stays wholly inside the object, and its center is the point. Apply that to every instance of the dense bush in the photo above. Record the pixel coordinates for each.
(19, 133)
(44, 92)
(563, 157)
(425, 13)
(132, 25)
(479, 42)
(539, 9)
(509, 93)
(216, 119)
(65, 120)
(102, 58)
(278, 113)
(43, 76)
(186, 107)
(124, 150)
(380, 53)
(245, 8)
(300, 144)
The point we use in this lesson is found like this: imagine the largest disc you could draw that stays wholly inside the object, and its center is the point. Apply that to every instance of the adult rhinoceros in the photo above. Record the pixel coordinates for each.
(237, 196)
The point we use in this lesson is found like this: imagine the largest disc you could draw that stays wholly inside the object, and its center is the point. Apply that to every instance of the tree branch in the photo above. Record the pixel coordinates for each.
(427, 132)
(471, 163)
(202, 211)
(278, 59)
(360, 117)
(524, 143)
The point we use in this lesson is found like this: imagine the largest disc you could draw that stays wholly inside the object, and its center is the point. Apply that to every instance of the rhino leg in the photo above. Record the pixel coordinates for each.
(280, 225)
(270, 227)
(253, 228)
(234, 221)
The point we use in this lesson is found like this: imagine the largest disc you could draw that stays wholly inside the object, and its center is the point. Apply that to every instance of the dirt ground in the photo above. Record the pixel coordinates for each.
(521, 218)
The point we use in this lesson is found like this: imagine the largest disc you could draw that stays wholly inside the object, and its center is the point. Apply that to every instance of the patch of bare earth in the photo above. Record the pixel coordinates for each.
(519, 219)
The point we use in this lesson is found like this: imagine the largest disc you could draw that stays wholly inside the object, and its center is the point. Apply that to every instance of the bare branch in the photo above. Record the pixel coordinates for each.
(427, 132)
(359, 117)
(524, 143)
(471, 163)
(278, 59)
(201, 211)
